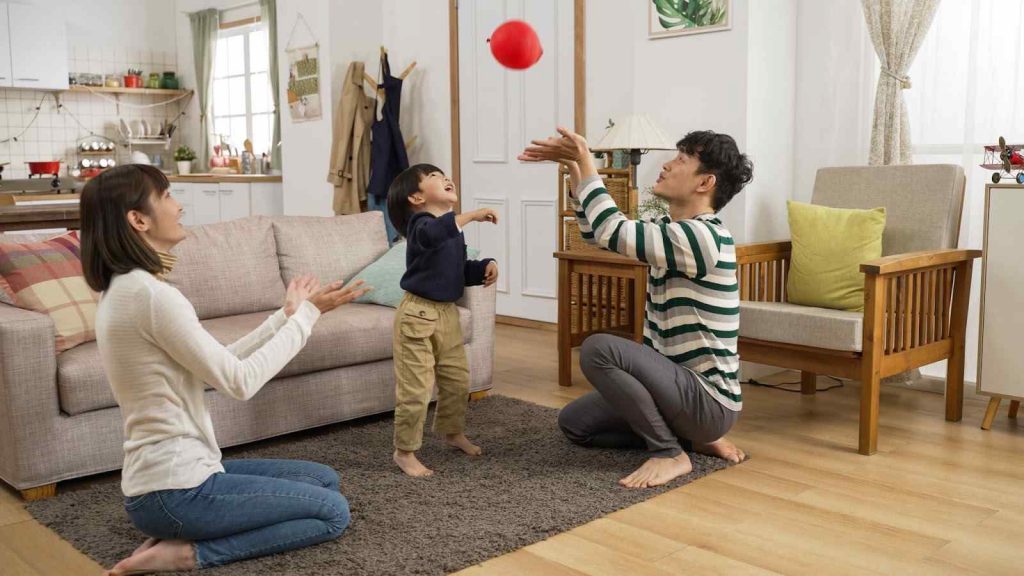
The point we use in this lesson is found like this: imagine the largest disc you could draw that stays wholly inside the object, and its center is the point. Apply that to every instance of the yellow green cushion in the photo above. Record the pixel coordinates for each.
(829, 245)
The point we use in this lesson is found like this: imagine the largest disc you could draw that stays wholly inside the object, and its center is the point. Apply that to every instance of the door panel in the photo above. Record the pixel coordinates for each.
(501, 110)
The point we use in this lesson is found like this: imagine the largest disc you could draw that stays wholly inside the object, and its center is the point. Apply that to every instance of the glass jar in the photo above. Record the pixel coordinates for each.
(169, 81)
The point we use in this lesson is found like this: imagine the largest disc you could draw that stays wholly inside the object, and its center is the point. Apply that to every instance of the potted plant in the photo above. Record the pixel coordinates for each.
(184, 156)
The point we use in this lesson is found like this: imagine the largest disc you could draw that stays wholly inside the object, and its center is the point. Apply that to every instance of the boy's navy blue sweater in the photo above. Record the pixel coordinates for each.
(436, 267)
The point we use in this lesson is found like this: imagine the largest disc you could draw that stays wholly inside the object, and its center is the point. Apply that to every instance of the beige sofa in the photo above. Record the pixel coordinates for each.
(59, 420)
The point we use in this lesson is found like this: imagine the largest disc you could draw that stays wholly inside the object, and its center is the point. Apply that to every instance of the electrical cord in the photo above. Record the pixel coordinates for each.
(783, 385)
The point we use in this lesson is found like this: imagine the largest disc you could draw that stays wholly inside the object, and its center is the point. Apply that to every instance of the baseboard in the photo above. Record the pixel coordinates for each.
(526, 323)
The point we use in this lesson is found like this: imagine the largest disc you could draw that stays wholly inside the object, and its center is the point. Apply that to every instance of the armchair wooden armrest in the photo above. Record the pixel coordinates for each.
(761, 251)
(914, 261)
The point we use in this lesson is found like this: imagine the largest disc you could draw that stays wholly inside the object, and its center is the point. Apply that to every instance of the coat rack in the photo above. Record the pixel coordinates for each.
(380, 91)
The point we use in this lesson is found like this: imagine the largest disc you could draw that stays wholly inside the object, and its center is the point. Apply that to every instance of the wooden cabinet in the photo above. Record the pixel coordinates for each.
(1000, 362)
(38, 47)
(212, 202)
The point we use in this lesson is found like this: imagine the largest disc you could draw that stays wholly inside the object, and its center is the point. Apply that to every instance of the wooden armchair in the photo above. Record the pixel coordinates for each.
(915, 299)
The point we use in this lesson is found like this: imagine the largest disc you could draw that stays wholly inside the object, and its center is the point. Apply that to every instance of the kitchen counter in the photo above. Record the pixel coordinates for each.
(203, 178)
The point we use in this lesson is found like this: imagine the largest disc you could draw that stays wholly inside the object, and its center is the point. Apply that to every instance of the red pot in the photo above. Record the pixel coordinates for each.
(37, 168)
(133, 81)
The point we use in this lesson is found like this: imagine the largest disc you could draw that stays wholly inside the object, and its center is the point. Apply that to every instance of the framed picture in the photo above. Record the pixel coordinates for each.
(678, 17)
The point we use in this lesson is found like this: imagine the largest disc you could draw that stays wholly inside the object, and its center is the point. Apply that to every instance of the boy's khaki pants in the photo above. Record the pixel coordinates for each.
(428, 341)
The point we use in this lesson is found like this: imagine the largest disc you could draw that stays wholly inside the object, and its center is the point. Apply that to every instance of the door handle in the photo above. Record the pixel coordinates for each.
(210, 192)
(27, 79)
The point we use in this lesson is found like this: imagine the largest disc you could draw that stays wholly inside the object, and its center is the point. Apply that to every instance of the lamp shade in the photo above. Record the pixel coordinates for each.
(635, 132)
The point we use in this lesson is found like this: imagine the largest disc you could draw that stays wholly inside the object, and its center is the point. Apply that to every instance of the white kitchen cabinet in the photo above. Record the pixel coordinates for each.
(38, 47)
(267, 199)
(183, 193)
(234, 201)
(212, 202)
(5, 48)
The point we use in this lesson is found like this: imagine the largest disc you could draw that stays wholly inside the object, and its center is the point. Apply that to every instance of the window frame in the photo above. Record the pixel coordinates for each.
(244, 31)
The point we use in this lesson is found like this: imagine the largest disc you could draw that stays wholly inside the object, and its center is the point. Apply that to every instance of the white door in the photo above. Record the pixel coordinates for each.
(234, 201)
(39, 47)
(5, 47)
(501, 110)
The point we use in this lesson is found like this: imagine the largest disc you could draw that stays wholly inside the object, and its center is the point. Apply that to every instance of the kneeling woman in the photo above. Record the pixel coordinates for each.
(197, 510)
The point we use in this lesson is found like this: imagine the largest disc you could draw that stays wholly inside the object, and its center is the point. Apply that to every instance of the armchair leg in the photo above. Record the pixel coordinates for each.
(1014, 406)
(958, 333)
(871, 386)
(808, 383)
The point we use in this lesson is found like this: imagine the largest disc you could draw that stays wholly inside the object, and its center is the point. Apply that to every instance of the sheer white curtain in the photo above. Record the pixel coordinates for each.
(969, 90)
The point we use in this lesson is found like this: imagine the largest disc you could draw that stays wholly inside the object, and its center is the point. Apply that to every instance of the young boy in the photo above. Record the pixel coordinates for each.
(428, 341)
(679, 388)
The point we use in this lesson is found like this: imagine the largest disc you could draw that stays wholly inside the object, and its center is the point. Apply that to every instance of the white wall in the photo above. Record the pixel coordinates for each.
(834, 97)
(695, 82)
(306, 151)
(771, 85)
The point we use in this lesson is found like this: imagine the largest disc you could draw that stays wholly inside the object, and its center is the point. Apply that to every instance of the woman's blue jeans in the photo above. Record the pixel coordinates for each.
(254, 508)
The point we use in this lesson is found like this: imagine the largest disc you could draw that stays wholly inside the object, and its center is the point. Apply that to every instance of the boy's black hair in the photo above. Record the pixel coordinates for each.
(719, 155)
(404, 185)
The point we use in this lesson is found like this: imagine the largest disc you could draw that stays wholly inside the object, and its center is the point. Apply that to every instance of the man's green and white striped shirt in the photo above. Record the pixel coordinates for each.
(693, 311)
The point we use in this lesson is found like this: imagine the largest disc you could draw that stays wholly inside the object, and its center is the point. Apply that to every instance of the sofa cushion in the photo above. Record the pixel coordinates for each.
(803, 325)
(353, 334)
(329, 248)
(229, 268)
(366, 328)
(46, 277)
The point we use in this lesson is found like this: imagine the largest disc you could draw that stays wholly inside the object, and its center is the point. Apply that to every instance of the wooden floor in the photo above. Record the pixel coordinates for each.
(938, 498)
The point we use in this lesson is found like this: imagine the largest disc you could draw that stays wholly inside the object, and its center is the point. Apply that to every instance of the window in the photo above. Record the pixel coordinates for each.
(243, 105)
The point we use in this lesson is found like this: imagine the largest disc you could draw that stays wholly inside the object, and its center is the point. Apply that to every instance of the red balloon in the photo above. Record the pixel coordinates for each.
(515, 45)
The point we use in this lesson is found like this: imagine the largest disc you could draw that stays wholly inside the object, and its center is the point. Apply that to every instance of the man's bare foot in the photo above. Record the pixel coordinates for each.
(462, 443)
(163, 556)
(658, 471)
(149, 543)
(722, 448)
(409, 464)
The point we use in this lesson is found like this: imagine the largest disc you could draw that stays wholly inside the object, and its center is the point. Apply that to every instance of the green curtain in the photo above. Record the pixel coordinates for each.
(205, 26)
(268, 14)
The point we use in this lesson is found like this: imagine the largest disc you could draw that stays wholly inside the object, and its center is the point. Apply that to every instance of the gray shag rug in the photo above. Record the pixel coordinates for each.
(530, 484)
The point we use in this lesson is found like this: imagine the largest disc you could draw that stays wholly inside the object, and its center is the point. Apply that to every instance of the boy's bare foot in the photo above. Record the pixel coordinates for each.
(462, 443)
(722, 448)
(163, 556)
(658, 471)
(409, 464)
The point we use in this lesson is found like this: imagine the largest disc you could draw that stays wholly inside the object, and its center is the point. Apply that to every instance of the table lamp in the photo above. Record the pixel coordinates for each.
(637, 133)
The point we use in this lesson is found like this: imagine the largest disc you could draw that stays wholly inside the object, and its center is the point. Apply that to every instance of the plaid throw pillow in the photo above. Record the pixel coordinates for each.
(46, 277)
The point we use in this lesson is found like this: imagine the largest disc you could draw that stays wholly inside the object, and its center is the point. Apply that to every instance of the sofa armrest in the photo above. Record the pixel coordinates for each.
(480, 302)
(29, 406)
(912, 261)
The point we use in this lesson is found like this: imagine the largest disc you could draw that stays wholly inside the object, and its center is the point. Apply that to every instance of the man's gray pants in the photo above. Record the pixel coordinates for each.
(641, 399)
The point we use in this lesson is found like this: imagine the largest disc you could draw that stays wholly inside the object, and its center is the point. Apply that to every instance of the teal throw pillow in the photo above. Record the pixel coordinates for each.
(385, 276)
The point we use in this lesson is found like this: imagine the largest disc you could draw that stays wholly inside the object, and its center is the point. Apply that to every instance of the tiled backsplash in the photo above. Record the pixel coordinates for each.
(55, 134)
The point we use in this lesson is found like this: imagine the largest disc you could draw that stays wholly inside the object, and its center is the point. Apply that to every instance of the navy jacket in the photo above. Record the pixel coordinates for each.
(436, 267)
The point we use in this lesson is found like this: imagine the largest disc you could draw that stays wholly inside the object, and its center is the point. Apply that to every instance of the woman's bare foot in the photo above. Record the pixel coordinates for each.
(658, 471)
(163, 556)
(149, 543)
(722, 448)
(409, 464)
(462, 443)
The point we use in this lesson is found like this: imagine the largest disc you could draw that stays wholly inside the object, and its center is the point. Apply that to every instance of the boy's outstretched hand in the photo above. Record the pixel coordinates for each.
(481, 215)
(491, 273)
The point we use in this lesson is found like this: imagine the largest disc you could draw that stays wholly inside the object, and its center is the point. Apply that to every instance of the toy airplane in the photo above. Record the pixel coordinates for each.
(1005, 158)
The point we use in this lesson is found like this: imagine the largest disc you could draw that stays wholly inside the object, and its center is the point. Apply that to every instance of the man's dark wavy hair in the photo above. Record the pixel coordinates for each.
(719, 155)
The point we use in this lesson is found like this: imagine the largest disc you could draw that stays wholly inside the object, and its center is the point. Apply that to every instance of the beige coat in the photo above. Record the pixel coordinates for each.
(350, 149)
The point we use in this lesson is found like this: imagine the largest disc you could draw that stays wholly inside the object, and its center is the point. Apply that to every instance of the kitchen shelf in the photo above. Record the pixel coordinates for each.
(142, 91)
(144, 141)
